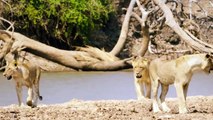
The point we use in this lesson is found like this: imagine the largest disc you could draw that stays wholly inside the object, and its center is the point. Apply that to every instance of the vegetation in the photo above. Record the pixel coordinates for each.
(69, 21)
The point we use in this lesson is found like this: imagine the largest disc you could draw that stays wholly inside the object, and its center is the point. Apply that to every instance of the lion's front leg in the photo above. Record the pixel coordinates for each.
(19, 94)
(139, 89)
(30, 97)
(181, 98)
(155, 86)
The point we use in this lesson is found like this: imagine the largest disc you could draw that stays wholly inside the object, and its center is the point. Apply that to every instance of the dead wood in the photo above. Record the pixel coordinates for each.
(144, 29)
(154, 15)
(87, 58)
(124, 30)
(170, 21)
(8, 40)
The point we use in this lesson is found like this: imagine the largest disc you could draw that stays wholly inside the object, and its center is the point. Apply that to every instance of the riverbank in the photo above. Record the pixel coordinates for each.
(200, 108)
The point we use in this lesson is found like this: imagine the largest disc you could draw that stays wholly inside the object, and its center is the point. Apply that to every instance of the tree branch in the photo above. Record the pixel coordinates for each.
(11, 24)
(8, 41)
(144, 29)
(124, 30)
(170, 21)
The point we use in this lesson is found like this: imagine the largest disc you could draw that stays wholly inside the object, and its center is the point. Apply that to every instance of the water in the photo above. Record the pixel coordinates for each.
(64, 86)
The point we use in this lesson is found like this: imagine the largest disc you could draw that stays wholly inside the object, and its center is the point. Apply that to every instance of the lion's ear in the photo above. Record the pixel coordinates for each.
(146, 61)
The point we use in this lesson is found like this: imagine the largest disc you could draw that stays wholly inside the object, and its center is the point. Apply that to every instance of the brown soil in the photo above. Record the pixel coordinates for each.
(200, 108)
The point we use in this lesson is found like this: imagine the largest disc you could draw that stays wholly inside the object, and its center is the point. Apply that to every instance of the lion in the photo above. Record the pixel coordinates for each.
(178, 72)
(24, 74)
(141, 77)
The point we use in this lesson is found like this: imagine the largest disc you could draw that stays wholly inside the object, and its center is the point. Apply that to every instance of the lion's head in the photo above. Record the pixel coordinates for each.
(10, 69)
(139, 65)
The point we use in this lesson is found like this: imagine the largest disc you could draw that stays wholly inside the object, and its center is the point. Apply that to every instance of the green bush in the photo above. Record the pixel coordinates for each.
(64, 20)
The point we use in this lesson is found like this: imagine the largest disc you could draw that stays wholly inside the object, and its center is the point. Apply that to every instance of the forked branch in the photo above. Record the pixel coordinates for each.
(170, 21)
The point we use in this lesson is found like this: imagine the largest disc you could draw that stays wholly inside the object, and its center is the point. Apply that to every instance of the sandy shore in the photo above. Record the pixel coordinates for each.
(200, 108)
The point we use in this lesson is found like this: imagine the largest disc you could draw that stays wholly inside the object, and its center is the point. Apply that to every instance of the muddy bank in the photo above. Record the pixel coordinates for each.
(200, 108)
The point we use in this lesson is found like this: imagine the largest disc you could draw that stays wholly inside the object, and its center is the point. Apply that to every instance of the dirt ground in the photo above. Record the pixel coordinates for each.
(200, 108)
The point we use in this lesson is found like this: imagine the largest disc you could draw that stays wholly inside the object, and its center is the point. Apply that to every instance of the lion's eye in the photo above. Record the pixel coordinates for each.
(15, 64)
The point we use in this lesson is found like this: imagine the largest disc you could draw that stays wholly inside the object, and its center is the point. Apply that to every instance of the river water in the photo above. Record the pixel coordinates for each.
(59, 87)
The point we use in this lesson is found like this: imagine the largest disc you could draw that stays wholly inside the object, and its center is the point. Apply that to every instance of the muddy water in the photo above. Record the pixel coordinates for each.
(64, 86)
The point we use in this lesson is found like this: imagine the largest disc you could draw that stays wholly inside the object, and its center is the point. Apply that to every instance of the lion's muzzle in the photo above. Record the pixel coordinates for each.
(138, 75)
(9, 77)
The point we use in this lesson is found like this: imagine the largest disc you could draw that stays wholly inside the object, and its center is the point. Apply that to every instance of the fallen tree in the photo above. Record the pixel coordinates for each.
(152, 15)
(87, 58)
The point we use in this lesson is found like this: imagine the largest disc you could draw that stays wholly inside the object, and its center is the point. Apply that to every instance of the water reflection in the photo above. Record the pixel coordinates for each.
(63, 86)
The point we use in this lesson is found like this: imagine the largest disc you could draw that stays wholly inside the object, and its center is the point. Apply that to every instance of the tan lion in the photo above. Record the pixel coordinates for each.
(178, 72)
(141, 76)
(24, 74)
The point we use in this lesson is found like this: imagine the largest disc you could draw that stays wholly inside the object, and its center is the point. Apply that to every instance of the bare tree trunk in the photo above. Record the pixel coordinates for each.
(144, 29)
(145, 42)
(145, 34)
(124, 30)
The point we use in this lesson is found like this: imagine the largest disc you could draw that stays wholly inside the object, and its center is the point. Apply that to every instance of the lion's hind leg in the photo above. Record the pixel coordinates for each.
(185, 88)
(36, 95)
(164, 91)
(36, 89)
